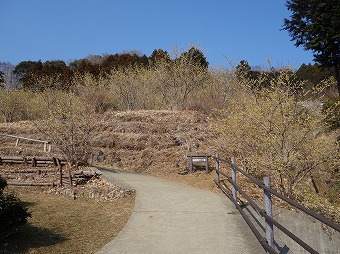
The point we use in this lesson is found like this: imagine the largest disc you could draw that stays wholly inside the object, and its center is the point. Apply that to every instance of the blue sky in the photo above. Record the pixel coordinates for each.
(73, 29)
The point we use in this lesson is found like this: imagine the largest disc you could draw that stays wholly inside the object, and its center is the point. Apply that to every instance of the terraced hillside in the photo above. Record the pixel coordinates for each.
(153, 142)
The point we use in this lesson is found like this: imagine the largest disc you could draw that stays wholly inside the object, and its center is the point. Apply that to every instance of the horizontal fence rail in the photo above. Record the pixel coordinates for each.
(47, 144)
(34, 161)
(37, 165)
(266, 213)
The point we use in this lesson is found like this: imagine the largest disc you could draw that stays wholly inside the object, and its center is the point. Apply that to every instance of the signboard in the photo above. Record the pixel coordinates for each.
(199, 159)
(195, 158)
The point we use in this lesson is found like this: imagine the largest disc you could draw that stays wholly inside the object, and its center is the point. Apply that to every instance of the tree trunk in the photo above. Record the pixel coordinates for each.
(337, 75)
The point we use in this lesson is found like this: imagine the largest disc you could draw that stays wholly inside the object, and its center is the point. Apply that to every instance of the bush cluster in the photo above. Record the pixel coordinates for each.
(12, 211)
(278, 130)
(331, 110)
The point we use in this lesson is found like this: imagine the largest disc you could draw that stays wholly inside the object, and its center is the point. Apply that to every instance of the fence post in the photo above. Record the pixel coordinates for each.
(190, 158)
(25, 160)
(206, 164)
(34, 162)
(217, 168)
(60, 168)
(268, 209)
(233, 177)
(70, 176)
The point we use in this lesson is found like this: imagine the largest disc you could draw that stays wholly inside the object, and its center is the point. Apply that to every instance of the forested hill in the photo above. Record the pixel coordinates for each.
(27, 74)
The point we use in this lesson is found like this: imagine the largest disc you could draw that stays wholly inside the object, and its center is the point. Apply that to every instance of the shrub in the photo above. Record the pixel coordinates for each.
(274, 132)
(166, 84)
(331, 109)
(18, 105)
(12, 212)
(94, 91)
(13, 105)
(176, 81)
(132, 88)
(3, 184)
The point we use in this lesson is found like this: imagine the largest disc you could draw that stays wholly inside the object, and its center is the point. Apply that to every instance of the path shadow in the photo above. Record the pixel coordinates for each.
(27, 204)
(111, 170)
(29, 236)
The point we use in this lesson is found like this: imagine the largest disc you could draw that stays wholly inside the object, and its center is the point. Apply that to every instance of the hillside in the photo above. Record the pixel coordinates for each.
(151, 142)
(154, 142)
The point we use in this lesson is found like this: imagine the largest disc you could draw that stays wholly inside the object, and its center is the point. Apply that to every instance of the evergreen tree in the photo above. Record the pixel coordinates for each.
(160, 55)
(315, 25)
(195, 57)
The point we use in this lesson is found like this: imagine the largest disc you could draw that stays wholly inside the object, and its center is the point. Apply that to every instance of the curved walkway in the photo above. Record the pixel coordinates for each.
(170, 217)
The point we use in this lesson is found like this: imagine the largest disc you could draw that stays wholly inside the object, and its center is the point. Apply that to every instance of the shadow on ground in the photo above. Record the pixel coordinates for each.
(28, 237)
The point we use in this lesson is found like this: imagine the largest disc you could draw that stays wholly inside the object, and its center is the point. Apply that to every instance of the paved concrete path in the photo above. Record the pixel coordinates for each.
(170, 217)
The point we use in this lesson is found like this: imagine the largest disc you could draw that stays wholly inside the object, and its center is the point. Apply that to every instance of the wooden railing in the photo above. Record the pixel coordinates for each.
(266, 212)
(47, 145)
(35, 162)
(65, 176)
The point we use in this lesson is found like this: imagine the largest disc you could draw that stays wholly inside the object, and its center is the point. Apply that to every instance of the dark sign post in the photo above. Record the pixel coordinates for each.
(198, 158)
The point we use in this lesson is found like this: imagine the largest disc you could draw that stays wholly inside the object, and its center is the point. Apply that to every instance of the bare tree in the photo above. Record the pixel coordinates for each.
(11, 80)
(67, 123)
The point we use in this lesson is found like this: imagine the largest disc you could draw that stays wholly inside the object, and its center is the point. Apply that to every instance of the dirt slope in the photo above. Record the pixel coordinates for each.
(151, 142)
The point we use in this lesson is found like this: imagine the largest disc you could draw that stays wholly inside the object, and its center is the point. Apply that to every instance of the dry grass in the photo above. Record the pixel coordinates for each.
(60, 224)
(153, 142)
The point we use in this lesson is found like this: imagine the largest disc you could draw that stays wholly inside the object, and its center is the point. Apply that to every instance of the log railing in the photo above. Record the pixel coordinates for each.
(47, 144)
(33, 162)
(66, 176)
(268, 242)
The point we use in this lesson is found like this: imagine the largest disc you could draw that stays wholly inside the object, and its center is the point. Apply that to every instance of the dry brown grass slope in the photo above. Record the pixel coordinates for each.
(153, 142)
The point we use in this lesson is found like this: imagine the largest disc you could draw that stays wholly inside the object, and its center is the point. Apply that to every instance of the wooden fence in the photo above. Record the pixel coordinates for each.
(34, 162)
(268, 242)
(55, 165)
(47, 145)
